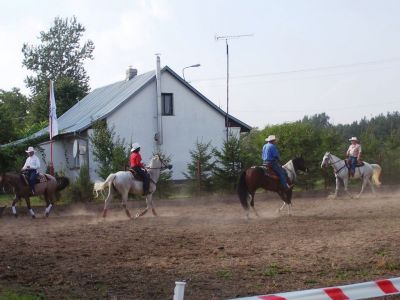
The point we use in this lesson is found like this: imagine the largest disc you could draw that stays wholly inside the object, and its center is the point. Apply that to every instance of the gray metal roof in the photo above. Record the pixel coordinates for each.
(101, 102)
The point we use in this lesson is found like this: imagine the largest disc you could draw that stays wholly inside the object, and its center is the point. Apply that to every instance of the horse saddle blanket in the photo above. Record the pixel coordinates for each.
(40, 177)
(136, 175)
(359, 164)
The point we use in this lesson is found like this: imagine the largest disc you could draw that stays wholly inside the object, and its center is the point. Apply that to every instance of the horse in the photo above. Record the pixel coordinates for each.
(98, 188)
(257, 177)
(48, 187)
(124, 183)
(365, 172)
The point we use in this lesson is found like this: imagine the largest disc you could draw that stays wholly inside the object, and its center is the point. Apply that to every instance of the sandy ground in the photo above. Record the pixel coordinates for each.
(208, 242)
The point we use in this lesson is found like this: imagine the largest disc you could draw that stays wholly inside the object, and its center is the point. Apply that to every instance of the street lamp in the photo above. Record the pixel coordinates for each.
(192, 66)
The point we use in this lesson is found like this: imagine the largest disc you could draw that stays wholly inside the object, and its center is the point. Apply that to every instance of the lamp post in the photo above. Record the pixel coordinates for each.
(192, 66)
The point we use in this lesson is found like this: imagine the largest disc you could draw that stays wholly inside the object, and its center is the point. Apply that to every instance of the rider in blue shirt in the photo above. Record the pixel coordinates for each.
(270, 156)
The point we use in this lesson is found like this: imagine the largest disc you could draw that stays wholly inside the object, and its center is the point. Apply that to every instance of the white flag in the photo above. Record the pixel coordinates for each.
(53, 124)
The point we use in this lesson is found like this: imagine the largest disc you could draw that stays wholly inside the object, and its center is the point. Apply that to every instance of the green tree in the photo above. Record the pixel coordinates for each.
(228, 164)
(59, 57)
(108, 149)
(199, 170)
(13, 112)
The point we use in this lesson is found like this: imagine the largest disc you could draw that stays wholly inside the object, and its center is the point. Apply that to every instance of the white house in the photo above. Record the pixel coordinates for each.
(157, 109)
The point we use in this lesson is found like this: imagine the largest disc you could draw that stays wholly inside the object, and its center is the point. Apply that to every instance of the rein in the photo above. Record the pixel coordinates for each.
(335, 162)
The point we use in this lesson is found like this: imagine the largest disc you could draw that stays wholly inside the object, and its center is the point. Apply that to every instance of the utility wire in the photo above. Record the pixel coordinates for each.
(395, 59)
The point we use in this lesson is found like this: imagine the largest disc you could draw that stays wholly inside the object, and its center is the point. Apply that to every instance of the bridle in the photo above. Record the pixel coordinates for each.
(163, 165)
(335, 162)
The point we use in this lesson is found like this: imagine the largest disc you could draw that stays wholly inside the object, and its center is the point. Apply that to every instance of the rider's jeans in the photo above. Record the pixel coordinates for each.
(278, 170)
(32, 178)
(353, 163)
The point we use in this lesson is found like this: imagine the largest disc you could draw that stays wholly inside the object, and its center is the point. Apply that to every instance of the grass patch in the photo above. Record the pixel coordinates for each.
(274, 269)
(224, 274)
(10, 295)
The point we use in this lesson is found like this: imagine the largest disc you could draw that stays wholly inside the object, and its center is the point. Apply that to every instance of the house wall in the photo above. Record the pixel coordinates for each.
(136, 121)
(193, 120)
(63, 160)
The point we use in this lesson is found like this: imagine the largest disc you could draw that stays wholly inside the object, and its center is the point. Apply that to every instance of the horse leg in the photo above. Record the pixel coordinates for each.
(107, 201)
(13, 208)
(28, 205)
(336, 188)
(252, 204)
(149, 202)
(283, 205)
(372, 186)
(124, 204)
(345, 184)
(364, 183)
(49, 204)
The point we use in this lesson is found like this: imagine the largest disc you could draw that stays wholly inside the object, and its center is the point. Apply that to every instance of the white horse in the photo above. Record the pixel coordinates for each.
(123, 183)
(98, 188)
(365, 172)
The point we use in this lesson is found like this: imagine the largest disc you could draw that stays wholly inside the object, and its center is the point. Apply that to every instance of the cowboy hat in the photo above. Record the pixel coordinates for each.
(354, 139)
(270, 138)
(30, 149)
(135, 146)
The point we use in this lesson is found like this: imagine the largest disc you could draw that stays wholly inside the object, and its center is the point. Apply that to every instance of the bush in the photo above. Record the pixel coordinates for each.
(82, 189)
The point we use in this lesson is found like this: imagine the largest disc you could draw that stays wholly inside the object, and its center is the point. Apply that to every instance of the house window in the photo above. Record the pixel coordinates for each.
(167, 102)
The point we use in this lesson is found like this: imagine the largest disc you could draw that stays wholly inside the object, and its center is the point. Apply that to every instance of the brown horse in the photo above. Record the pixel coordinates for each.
(259, 177)
(48, 186)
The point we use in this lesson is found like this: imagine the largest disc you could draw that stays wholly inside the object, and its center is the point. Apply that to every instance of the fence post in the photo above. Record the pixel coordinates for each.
(179, 290)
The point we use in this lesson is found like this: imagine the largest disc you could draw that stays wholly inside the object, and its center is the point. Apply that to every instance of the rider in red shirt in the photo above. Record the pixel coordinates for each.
(137, 165)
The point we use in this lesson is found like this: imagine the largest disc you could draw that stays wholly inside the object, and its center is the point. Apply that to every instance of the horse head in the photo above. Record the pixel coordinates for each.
(299, 164)
(326, 159)
(158, 163)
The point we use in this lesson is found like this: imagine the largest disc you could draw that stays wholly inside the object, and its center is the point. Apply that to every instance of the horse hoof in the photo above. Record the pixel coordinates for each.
(33, 217)
(16, 216)
(46, 215)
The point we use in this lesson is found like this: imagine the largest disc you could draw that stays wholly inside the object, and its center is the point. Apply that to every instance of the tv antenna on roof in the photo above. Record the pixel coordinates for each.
(226, 38)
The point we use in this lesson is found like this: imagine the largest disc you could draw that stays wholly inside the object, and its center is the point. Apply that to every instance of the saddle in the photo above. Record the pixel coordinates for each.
(359, 164)
(269, 172)
(40, 177)
(136, 175)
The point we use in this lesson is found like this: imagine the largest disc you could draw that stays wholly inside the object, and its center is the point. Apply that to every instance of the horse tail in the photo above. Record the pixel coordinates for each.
(109, 179)
(62, 183)
(376, 174)
(243, 191)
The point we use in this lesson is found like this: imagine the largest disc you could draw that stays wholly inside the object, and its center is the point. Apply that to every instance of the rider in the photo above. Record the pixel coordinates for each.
(354, 154)
(32, 164)
(137, 165)
(270, 156)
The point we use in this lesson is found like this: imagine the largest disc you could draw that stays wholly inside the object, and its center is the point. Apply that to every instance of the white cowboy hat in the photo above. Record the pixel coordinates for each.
(30, 149)
(354, 139)
(135, 146)
(270, 138)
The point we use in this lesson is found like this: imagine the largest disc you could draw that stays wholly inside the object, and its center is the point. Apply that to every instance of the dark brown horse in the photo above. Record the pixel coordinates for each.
(259, 177)
(48, 187)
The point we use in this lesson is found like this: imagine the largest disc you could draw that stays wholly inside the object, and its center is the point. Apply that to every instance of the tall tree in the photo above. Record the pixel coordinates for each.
(13, 111)
(59, 57)
(199, 170)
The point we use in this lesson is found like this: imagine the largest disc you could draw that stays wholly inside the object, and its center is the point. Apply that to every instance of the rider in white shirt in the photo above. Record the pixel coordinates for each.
(31, 166)
(354, 154)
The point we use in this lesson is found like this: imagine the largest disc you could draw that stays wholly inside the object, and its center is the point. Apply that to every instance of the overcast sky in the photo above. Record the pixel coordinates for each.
(305, 57)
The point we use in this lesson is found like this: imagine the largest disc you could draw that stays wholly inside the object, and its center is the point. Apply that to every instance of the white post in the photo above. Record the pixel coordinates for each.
(179, 290)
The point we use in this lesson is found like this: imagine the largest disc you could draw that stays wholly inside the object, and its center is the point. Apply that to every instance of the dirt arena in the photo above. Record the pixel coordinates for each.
(207, 242)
